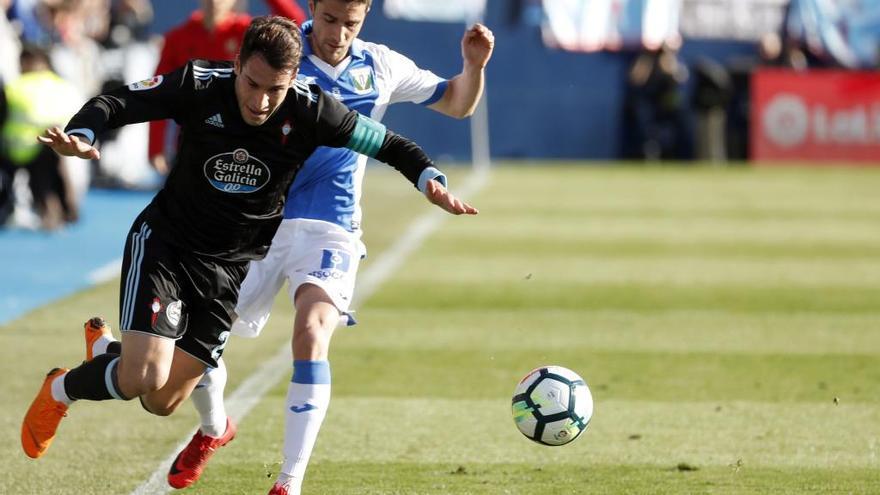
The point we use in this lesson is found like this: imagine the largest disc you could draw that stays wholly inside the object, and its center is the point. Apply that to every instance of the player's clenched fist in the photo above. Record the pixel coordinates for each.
(477, 45)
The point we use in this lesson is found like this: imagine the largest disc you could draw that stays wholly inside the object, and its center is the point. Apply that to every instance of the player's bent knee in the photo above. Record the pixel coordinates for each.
(144, 382)
(161, 406)
(311, 340)
(164, 410)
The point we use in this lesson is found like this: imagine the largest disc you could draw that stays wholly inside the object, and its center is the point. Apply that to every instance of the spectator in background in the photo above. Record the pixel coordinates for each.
(212, 33)
(127, 54)
(9, 45)
(772, 51)
(76, 56)
(655, 114)
(30, 16)
(712, 91)
(37, 99)
(129, 23)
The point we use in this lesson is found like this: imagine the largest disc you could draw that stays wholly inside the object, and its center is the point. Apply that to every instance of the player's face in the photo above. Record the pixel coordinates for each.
(260, 88)
(336, 23)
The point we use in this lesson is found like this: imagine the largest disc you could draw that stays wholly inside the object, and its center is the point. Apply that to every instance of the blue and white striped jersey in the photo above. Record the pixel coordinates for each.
(328, 187)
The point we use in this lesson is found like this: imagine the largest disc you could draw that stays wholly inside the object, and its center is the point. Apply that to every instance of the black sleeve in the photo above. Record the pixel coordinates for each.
(160, 97)
(404, 155)
(339, 127)
(334, 122)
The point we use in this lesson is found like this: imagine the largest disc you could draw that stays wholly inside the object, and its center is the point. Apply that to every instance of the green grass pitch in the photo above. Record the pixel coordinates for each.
(726, 320)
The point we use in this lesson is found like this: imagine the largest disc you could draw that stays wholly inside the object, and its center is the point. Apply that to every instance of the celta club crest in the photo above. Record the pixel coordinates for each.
(155, 307)
(362, 79)
(285, 131)
(240, 155)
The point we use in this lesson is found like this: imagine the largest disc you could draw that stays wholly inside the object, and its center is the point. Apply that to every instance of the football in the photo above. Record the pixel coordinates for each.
(552, 405)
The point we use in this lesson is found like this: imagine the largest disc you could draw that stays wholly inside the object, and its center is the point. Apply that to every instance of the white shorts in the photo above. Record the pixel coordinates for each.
(302, 252)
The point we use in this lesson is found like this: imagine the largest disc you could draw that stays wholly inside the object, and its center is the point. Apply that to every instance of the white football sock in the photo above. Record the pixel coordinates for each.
(58, 392)
(293, 485)
(308, 397)
(207, 397)
(100, 346)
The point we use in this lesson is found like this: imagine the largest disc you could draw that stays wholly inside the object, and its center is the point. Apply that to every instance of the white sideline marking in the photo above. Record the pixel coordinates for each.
(106, 272)
(255, 386)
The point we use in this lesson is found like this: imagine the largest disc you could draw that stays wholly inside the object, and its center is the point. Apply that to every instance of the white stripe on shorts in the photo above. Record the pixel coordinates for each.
(133, 277)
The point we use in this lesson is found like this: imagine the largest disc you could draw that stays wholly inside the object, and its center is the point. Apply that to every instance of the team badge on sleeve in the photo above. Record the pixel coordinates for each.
(146, 84)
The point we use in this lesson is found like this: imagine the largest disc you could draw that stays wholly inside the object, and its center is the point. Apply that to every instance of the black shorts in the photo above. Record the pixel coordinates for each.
(177, 295)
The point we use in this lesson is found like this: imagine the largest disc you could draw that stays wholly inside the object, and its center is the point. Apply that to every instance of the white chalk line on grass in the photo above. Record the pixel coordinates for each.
(105, 273)
(255, 386)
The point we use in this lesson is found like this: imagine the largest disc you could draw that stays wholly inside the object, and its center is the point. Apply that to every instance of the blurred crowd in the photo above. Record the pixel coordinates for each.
(55, 54)
(678, 109)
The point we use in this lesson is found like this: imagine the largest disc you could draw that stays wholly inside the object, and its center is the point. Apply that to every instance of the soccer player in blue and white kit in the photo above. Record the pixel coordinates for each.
(317, 248)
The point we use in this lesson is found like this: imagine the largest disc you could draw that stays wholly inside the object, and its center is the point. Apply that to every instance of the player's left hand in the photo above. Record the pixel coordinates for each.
(477, 45)
(441, 197)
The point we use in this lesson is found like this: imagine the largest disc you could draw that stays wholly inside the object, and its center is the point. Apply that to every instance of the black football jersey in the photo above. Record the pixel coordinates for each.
(225, 194)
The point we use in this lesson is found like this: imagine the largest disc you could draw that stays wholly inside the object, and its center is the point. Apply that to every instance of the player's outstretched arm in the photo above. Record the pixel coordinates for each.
(338, 126)
(440, 196)
(464, 90)
(68, 145)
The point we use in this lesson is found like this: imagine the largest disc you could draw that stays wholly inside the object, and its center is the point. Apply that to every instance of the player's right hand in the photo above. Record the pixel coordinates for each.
(440, 196)
(66, 145)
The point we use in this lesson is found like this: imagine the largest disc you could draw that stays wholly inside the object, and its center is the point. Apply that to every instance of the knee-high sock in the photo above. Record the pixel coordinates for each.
(106, 345)
(308, 397)
(95, 379)
(208, 400)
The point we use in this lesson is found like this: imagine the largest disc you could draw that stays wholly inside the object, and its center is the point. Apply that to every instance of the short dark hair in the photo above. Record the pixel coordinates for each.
(368, 2)
(276, 38)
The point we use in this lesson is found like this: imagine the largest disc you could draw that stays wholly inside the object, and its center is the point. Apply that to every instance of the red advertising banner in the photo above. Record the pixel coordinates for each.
(825, 115)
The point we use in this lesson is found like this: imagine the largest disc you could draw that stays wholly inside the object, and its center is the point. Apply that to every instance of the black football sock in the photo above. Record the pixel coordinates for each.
(95, 379)
(114, 347)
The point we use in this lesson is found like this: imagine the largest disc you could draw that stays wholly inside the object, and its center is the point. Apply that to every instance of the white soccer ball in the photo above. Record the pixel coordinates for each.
(552, 405)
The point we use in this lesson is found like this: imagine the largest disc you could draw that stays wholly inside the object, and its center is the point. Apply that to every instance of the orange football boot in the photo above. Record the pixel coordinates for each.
(95, 328)
(42, 418)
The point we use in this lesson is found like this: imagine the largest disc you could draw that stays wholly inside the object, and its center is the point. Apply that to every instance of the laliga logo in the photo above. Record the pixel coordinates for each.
(789, 122)
(786, 120)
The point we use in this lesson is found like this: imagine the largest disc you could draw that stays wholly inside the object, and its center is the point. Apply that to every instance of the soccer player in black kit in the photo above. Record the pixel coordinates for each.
(246, 127)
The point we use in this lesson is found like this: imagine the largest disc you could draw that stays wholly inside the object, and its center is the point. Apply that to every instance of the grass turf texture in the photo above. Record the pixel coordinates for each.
(726, 320)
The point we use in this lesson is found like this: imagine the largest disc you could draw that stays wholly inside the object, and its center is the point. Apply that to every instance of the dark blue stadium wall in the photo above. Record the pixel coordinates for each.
(543, 103)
